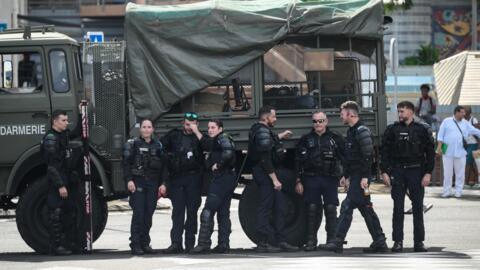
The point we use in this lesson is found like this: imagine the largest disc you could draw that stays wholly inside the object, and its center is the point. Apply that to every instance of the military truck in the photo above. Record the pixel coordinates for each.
(222, 59)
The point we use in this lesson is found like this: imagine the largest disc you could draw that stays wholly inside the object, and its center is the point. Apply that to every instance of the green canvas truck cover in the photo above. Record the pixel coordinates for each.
(174, 51)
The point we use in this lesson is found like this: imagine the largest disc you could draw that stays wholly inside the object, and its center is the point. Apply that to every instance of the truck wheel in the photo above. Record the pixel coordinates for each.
(32, 215)
(295, 224)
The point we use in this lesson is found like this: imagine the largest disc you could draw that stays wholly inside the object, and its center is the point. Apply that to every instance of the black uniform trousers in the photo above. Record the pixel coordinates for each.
(218, 201)
(320, 187)
(356, 199)
(64, 214)
(403, 179)
(271, 200)
(143, 203)
(185, 194)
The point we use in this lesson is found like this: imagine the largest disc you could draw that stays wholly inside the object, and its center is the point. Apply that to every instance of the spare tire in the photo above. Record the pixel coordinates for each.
(32, 215)
(295, 222)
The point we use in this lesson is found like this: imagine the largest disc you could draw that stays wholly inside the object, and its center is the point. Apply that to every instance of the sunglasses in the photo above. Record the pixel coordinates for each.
(319, 121)
(190, 116)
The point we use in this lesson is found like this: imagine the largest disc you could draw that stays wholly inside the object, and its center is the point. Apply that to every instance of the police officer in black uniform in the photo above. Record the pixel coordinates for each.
(358, 169)
(221, 162)
(185, 164)
(63, 178)
(318, 165)
(265, 151)
(407, 163)
(144, 167)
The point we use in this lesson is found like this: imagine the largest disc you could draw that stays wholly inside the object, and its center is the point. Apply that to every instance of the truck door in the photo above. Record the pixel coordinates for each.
(62, 84)
(24, 101)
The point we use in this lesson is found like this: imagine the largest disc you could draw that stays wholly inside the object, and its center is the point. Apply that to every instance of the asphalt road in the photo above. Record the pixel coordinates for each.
(452, 233)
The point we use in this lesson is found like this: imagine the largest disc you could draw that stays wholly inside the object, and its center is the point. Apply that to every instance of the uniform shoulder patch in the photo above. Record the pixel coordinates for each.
(335, 134)
(132, 141)
(263, 128)
(50, 142)
(363, 128)
(158, 143)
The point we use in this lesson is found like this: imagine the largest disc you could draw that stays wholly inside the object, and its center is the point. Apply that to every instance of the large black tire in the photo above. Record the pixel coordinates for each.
(32, 215)
(295, 220)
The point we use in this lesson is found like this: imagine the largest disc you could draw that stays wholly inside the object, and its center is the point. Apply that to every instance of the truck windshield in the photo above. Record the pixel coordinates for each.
(21, 73)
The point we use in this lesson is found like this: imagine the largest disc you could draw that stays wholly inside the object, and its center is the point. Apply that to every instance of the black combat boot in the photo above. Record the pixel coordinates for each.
(147, 249)
(221, 248)
(330, 224)
(377, 246)
(284, 246)
(314, 218)
(174, 248)
(397, 246)
(136, 250)
(56, 235)
(336, 245)
(206, 229)
(265, 247)
(419, 247)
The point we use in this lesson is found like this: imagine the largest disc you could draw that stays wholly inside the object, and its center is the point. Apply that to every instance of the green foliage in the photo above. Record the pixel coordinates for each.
(426, 55)
(392, 5)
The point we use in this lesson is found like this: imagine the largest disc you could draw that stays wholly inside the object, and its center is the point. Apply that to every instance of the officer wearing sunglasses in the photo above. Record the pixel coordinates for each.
(185, 165)
(318, 166)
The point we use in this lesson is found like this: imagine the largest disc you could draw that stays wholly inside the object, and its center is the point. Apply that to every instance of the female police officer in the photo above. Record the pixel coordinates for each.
(220, 162)
(143, 161)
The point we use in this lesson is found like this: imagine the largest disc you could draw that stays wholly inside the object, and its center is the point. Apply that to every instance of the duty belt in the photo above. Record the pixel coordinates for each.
(189, 172)
(318, 172)
(223, 171)
(408, 166)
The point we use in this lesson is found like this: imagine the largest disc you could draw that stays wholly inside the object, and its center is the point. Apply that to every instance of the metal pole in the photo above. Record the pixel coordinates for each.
(474, 25)
(394, 67)
(88, 182)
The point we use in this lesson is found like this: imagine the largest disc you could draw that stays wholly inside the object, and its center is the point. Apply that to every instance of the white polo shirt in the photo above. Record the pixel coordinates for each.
(450, 135)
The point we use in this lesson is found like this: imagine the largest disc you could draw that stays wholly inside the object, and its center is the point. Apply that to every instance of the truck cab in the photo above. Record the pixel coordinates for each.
(41, 72)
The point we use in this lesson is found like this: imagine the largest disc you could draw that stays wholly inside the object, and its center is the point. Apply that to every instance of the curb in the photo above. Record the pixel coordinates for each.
(113, 206)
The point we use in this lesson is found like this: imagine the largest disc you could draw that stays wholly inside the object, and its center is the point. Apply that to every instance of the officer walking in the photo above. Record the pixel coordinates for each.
(358, 161)
(185, 167)
(221, 162)
(318, 165)
(265, 151)
(407, 161)
(63, 191)
(144, 167)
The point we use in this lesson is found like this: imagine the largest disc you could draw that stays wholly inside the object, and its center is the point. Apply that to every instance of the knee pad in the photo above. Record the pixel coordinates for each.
(55, 214)
(346, 206)
(213, 201)
(206, 216)
(312, 207)
(331, 209)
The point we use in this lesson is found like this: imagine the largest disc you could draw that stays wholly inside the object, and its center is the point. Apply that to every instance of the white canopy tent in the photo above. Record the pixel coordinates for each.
(457, 79)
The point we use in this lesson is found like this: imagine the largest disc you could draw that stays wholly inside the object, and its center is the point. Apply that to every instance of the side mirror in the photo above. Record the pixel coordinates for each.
(7, 74)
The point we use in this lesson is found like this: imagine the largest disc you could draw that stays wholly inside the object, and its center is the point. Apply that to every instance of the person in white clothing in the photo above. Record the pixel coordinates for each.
(471, 176)
(451, 140)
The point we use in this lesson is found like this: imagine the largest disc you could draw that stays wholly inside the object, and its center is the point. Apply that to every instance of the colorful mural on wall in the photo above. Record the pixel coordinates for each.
(451, 28)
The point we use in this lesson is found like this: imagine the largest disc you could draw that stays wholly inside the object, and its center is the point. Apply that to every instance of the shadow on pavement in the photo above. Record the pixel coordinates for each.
(108, 254)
